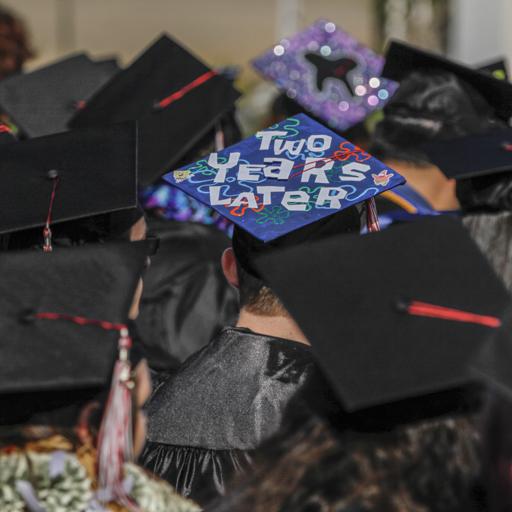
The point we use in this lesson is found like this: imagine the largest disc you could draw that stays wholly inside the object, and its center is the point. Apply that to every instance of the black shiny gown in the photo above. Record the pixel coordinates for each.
(222, 403)
(186, 299)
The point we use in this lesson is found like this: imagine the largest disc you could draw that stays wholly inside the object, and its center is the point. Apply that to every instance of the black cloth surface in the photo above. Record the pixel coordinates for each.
(222, 403)
(186, 299)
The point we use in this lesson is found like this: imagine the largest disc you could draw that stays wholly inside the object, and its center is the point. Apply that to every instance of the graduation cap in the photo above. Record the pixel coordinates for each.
(175, 97)
(284, 178)
(329, 73)
(497, 68)
(68, 176)
(51, 312)
(65, 341)
(472, 155)
(403, 59)
(42, 102)
(392, 315)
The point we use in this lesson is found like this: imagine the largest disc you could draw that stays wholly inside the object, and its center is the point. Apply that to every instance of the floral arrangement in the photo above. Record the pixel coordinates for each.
(59, 481)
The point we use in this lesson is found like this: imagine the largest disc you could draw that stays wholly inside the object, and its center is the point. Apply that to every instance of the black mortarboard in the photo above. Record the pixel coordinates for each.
(472, 155)
(176, 98)
(87, 172)
(497, 68)
(391, 315)
(60, 316)
(402, 59)
(42, 102)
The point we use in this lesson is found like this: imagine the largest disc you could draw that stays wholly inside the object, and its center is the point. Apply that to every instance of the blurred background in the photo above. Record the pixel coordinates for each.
(231, 32)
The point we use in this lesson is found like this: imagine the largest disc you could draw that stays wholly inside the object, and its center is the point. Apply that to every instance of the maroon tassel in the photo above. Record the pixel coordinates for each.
(115, 443)
(372, 217)
(47, 232)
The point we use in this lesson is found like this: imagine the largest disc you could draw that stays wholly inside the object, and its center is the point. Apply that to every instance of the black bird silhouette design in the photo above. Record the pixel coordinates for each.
(331, 68)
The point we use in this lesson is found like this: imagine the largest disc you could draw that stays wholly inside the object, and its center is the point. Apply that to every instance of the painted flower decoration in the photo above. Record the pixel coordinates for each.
(154, 495)
(275, 214)
(58, 482)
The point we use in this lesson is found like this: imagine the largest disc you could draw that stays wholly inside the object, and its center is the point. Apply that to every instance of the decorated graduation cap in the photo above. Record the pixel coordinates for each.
(403, 59)
(393, 315)
(329, 73)
(284, 178)
(68, 176)
(176, 98)
(42, 102)
(63, 323)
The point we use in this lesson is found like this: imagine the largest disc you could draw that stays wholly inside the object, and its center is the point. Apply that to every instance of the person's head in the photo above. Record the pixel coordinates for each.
(313, 466)
(238, 261)
(15, 47)
(429, 105)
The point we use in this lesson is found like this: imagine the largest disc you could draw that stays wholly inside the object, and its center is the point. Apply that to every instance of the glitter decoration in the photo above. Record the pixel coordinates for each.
(383, 94)
(279, 50)
(329, 73)
(360, 90)
(374, 82)
(373, 100)
(325, 51)
(330, 27)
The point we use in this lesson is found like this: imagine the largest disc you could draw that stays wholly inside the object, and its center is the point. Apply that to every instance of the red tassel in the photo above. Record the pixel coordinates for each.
(115, 443)
(47, 239)
(219, 138)
(372, 217)
(47, 232)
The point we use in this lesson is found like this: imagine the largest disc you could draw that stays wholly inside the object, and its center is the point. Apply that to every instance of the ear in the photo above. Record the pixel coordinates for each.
(228, 262)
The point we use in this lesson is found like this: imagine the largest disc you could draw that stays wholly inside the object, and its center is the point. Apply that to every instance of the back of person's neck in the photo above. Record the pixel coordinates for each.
(430, 182)
(274, 326)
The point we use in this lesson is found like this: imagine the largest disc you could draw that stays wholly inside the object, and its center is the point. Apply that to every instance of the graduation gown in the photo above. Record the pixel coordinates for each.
(187, 299)
(224, 401)
(403, 203)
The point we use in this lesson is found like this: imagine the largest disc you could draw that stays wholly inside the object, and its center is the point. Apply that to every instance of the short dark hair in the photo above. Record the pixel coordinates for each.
(255, 295)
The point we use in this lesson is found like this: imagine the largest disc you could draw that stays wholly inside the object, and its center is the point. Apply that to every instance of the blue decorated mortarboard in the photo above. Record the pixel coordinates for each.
(285, 177)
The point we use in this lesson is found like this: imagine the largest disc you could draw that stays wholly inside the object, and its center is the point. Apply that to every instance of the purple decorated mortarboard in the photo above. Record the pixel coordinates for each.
(329, 73)
(285, 177)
